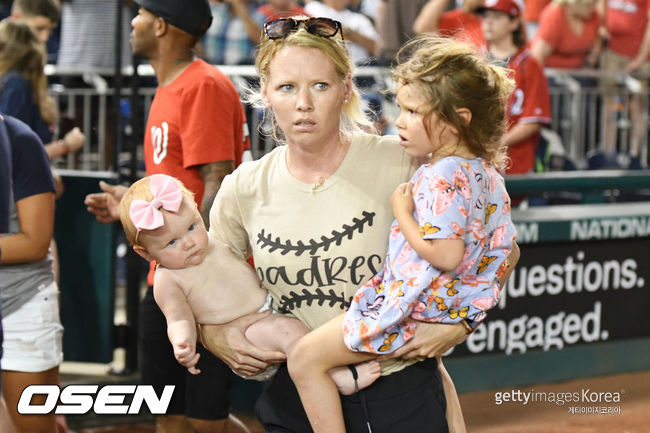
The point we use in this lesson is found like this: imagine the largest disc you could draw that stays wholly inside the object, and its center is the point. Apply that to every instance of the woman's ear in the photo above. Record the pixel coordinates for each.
(348, 88)
(265, 98)
(142, 252)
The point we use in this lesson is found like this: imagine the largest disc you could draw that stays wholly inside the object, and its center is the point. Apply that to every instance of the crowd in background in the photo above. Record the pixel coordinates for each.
(562, 33)
(566, 35)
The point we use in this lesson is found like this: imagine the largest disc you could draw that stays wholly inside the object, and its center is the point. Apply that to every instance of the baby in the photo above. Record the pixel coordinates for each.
(199, 280)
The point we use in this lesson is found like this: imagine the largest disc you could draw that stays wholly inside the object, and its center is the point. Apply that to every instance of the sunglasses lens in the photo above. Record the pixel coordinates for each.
(322, 27)
(279, 28)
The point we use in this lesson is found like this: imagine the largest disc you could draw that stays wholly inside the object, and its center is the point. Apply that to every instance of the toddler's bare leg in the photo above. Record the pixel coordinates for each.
(277, 332)
(455, 419)
(309, 361)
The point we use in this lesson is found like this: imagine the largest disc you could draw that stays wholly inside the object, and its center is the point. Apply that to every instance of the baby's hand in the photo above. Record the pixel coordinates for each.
(402, 199)
(186, 356)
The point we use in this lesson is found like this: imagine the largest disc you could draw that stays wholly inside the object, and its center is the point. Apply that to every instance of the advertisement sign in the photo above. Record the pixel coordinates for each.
(579, 281)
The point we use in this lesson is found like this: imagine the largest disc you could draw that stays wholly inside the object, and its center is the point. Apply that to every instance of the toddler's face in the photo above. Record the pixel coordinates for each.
(411, 123)
(181, 242)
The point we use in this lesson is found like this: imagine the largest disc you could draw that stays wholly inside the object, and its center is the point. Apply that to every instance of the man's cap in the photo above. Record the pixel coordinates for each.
(510, 7)
(191, 16)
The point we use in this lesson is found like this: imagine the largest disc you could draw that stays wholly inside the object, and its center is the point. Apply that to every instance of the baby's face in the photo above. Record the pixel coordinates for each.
(181, 242)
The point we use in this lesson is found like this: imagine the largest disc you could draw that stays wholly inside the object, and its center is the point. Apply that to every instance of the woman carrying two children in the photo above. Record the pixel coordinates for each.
(316, 214)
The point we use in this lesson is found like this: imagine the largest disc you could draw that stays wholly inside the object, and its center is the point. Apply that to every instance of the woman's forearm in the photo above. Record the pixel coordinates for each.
(36, 221)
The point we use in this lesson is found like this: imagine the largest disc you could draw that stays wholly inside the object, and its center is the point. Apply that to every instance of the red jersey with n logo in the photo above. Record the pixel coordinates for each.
(197, 119)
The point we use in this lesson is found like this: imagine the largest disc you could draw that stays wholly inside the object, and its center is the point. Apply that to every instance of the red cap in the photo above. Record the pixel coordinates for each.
(510, 7)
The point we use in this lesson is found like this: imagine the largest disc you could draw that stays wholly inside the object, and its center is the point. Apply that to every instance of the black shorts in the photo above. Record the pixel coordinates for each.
(205, 396)
(411, 400)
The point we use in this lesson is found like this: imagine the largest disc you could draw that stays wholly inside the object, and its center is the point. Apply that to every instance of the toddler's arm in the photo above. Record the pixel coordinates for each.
(434, 339)
(181, 327)
(444, 254)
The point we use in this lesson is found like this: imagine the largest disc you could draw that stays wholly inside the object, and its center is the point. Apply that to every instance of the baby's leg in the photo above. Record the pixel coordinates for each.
(454, 413)
(277, 332)
(309, 361)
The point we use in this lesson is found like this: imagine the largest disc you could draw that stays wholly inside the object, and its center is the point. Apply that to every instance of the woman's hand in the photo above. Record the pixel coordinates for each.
(228, 342)
(431, 340)
(402, 199)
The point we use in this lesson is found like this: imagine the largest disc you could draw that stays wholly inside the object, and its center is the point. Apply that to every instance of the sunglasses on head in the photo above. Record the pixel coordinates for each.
(324, 27)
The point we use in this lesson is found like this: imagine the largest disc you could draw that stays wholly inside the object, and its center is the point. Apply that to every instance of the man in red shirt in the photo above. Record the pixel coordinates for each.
(196, 132)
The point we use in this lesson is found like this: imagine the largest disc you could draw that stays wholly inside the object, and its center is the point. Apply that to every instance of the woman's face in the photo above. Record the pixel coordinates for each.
(306, 96)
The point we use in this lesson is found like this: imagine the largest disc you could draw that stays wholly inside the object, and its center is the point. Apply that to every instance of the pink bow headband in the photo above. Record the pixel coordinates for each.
(146, 215)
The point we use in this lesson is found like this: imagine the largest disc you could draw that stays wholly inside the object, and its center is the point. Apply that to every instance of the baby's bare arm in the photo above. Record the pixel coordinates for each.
(172, 301)
(181, 326)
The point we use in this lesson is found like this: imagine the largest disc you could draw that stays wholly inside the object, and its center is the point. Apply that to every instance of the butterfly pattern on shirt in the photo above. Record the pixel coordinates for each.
(454, 198)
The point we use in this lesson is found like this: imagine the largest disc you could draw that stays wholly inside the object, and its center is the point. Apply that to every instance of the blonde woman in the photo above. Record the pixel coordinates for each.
(314, 213)
(23, 88)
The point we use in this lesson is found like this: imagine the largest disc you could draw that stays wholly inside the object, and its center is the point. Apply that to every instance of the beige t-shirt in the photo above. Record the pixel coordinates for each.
(313, 247)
